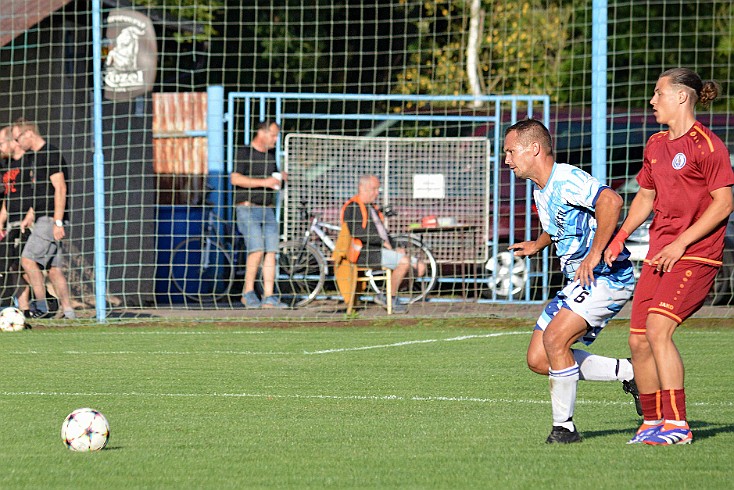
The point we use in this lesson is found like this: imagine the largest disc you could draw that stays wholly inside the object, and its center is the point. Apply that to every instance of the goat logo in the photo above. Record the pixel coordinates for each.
(132, 57)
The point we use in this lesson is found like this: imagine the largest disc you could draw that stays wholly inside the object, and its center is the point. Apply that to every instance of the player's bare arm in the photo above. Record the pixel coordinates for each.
(639, 211)
(719, 210)
(608, 207)
(526, 249)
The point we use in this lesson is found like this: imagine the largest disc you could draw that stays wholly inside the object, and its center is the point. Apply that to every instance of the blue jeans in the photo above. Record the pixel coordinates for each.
(257, 224)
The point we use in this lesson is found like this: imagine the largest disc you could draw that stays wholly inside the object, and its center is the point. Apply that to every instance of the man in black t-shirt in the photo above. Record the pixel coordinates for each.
(16, 214)
(256, 182)
(43, 248)
(17, 176)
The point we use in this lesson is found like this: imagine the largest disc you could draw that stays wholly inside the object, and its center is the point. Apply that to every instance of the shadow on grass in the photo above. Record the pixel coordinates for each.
(704, 430)
(701, 430)
(591, 434)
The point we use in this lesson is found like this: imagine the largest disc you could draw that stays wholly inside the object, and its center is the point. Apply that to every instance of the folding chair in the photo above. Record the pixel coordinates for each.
(349, 274)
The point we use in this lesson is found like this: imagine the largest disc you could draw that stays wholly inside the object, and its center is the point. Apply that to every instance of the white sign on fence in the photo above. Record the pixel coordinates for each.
(428, 186)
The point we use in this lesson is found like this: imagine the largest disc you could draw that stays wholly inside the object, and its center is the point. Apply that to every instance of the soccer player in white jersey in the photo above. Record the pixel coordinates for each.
(579, 215)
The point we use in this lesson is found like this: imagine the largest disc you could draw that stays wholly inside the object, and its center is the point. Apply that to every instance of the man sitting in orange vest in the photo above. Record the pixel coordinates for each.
(365, 224)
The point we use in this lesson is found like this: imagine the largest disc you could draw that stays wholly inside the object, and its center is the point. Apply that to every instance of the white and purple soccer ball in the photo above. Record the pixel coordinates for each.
(12, 319)
(85, 429)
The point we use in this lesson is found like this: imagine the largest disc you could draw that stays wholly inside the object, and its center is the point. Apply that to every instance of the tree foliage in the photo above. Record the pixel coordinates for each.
(520, 51)
(420, 46)
(648, 38)
(202, 12)
(544, 46)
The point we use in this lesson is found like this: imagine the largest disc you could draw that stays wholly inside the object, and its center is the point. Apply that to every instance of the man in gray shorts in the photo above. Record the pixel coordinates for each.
(43, 248)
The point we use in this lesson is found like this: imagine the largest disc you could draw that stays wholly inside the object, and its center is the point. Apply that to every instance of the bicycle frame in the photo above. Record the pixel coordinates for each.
(209, 236)
(317, 227)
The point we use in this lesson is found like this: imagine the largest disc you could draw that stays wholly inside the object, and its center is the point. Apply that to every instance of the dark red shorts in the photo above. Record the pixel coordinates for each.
(677, 294)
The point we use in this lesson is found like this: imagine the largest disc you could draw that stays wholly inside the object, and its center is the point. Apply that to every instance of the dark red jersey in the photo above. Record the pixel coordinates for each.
(683, 172)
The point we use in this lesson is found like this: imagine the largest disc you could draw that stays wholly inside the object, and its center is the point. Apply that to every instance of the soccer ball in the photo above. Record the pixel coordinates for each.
(12, 320)
(85, 429)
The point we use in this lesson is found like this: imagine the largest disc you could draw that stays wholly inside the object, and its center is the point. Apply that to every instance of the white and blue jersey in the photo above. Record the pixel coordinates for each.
(566, 207)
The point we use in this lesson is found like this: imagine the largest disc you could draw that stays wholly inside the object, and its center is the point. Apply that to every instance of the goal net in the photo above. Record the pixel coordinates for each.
(437, 187)
(154, 191)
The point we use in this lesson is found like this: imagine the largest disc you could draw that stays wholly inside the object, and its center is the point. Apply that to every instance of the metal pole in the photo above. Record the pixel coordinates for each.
(215, 147)
(100, 271)
(599, 90)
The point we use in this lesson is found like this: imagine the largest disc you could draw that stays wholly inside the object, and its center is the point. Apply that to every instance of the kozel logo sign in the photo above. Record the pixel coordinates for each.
(132, 55)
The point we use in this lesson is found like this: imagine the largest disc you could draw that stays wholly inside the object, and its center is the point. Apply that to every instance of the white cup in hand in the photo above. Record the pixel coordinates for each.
(278, 176)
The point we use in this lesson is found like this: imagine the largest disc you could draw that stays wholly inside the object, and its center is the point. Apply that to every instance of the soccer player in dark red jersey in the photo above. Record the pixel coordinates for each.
(686, 180)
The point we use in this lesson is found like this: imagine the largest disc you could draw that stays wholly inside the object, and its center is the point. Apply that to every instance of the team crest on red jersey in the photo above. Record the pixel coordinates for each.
(679, 161)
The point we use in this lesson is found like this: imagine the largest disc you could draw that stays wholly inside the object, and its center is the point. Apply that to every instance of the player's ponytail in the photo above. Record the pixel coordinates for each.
(709, 92)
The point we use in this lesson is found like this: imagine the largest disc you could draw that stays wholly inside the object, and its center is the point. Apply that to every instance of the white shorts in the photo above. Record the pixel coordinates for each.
(597, 304)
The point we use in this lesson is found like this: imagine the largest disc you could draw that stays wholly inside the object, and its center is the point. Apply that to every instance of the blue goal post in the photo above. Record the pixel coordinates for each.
(246, 109)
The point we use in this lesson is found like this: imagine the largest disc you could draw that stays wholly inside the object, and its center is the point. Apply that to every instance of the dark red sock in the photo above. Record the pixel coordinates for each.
(651, 408)
(674, 404)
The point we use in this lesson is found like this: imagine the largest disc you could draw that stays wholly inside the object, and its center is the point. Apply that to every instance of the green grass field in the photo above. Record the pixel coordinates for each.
(431, 404)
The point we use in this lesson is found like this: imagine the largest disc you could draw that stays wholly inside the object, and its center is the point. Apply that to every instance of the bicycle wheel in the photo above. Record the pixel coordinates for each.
(413, 288)
(301, 273)
(201, 270)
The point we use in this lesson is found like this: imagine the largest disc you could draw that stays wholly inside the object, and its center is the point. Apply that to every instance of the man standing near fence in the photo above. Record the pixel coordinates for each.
(43, 248)
(579, 215)
(256, 182)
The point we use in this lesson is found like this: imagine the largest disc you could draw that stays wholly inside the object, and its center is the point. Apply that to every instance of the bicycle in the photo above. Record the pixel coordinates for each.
(202, 268)
(303, 268)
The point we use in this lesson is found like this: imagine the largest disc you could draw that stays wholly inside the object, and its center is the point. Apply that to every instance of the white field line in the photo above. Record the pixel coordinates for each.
(180, 353)
(368, 398)
(276, 353)
(176, 332)
(413, 342)
(154, 353)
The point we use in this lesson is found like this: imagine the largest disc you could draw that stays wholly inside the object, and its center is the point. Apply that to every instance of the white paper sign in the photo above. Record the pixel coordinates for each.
(428, 186)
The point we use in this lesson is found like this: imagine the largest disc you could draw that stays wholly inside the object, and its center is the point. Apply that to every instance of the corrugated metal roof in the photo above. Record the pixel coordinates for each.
(175, 117)
(17, 16)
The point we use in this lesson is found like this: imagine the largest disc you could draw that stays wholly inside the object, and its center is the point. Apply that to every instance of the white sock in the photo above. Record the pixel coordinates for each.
(563, 384)
(599, 368)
